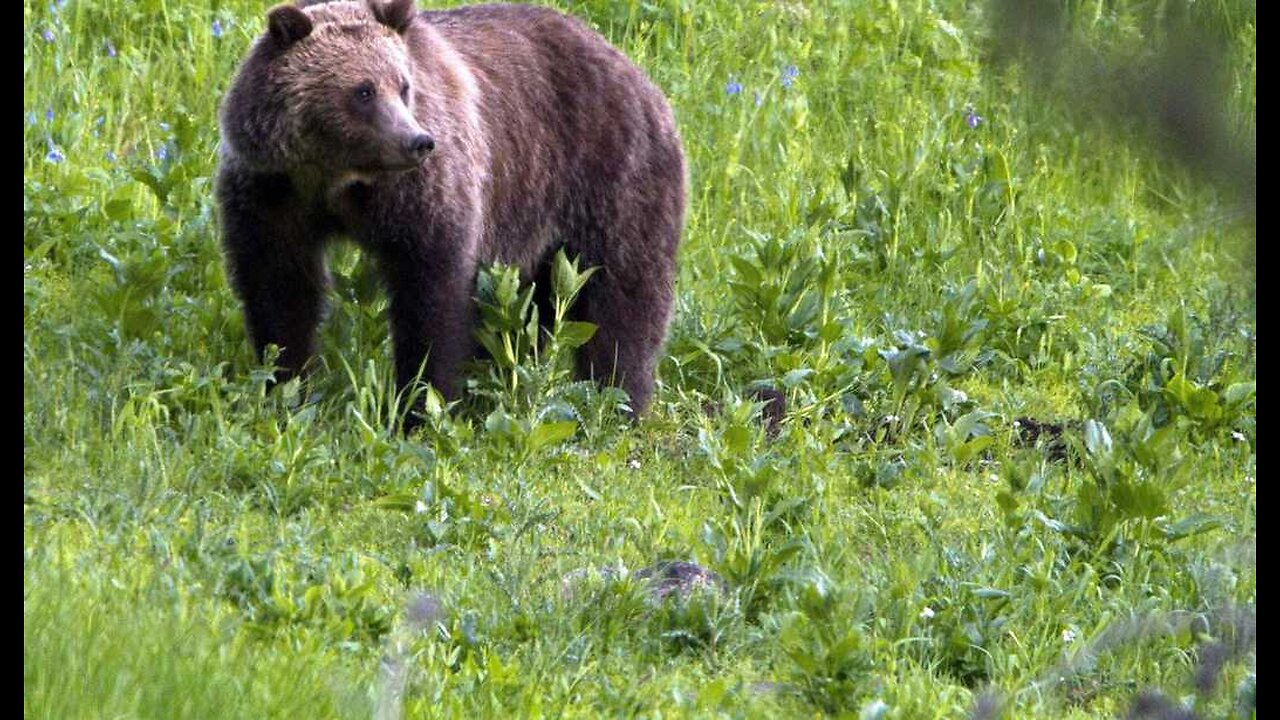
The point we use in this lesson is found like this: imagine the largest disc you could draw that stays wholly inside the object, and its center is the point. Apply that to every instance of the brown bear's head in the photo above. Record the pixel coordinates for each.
(330, 87)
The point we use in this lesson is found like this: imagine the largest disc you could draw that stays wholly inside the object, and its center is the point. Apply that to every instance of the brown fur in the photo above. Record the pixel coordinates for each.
(544, 137)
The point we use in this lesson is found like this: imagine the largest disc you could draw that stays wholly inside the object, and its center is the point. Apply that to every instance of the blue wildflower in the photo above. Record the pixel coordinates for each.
(32, 118)
(162, 153)
(54, 155)
(733, 87)
(217, 28)
(759, 98)
(110, 48)
(48, 115)
(972, 119)
(164, 126)
(47, 35)
(789, 75)
(111, 157)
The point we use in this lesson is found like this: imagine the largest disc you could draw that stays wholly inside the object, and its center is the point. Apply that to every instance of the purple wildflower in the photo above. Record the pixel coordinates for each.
(47, 35)
(789, 75)
(48, 115)
(733, 87)
(54, 155)
(217, 28)
(759, 98)
(111, 157)
(110, 48)
(162, 153)
(972, 119)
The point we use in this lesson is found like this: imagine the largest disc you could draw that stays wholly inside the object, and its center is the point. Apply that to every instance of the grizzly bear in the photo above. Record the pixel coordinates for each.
(438, 141)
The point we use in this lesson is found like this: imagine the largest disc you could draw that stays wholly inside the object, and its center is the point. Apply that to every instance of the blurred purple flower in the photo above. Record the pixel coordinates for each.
(162, 153)
(759, 98)
(111, 157)
(972, 119)
(48, 115)
(733, 87)
(47, 35)
(110, 48)
(424, 611)
(789, 75)
(54, 155)
(217, 28)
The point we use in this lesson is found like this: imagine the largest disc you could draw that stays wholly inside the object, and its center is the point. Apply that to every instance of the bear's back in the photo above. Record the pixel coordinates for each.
(569, 120)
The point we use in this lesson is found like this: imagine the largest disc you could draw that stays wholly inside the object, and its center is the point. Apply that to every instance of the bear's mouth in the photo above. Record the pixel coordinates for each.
(407, 168)
(370, 173)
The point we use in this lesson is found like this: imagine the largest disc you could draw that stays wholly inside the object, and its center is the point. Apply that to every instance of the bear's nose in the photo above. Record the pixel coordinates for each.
(421, 145)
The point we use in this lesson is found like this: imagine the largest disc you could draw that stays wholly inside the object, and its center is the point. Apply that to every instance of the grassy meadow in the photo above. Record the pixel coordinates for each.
(1015, 334)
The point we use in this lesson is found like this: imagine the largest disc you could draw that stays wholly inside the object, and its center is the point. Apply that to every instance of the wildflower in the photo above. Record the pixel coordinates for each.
(110, 48)
(48, 115)
(972, 119)
(54, 155)
(927, 613)
(162, 153)
(111, 157)
(1068, 635)
(32, 118)
(47, 35)
(164, 126)
(217, 28)
(759, 98)
(424, 610)
(789, 75)
(733, 87)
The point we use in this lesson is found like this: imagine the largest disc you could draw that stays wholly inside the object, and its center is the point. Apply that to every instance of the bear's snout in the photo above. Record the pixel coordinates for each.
(420, 145)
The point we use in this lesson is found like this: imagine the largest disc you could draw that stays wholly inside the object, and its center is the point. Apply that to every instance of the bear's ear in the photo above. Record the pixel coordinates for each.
(288, 24)
(395, 14)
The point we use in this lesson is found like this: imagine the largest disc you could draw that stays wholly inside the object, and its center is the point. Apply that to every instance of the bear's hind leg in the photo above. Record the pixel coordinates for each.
(630, 303)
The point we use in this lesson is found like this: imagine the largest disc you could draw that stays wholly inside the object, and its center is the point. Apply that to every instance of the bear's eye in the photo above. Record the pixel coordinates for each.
(404, 92)
(365, 91)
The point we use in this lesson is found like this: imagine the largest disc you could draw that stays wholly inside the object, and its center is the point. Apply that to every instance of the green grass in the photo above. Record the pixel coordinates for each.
(918, 288)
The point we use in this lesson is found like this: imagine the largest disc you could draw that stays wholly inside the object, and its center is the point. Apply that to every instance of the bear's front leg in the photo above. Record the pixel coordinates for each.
(430, 280)
(274, 252)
